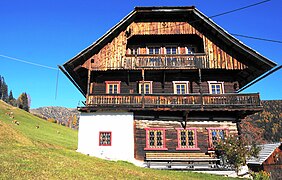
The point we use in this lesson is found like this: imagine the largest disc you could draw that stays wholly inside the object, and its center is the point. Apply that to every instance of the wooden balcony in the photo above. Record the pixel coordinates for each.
(162, 61)
(188, 102)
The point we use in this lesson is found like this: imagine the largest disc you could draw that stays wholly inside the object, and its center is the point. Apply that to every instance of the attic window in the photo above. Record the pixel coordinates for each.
(153, 50)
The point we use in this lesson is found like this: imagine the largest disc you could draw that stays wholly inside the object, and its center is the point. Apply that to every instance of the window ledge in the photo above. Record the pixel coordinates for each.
(161, 149)
(187, 148)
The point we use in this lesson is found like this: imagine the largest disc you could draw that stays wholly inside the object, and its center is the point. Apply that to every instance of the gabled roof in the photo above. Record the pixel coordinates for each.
(265, 152)
(257, 63)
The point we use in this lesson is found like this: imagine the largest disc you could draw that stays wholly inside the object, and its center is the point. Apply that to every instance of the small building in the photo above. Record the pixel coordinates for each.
(269, 159)
(162, 86)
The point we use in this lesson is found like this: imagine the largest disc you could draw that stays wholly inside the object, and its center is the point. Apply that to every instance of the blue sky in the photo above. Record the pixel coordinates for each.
(50, 32)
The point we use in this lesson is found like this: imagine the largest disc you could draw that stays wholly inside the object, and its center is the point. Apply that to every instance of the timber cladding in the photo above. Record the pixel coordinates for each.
(171, 134)
(112, 55)
(158, 87)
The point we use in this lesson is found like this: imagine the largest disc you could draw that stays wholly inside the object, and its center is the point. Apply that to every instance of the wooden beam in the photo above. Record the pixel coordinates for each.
(201, 91)
(77, 67)
(163, 83)
(128, 77)
(88, 82)
(142, 88)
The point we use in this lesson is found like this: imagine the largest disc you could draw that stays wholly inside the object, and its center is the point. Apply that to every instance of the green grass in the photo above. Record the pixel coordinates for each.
(49, 153)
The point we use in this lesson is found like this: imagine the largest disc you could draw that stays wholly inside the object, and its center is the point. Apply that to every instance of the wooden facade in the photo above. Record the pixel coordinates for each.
(210, 55)
(178, 73)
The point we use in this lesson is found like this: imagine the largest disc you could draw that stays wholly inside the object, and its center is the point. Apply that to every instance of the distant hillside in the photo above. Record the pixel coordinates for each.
(265, 126)
(61, 114)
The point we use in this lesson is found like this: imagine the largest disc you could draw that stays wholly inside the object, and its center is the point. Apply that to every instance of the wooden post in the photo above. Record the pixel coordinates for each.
(88, 82)
(185, 118)
(142, 88)
(201, 91)
(163, 83)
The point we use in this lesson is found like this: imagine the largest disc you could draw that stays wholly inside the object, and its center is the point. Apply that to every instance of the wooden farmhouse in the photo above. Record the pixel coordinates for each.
(161, 85)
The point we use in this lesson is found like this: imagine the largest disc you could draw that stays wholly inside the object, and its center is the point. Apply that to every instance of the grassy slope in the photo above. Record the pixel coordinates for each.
(49, 153)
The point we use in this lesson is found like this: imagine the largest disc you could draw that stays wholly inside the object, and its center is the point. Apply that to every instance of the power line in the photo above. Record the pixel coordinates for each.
(224, 13)
(27, 62)
(257, 38)
(239, 9)
(220, 14)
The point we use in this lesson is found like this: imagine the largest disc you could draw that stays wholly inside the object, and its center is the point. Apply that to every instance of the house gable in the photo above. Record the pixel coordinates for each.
(222, 50)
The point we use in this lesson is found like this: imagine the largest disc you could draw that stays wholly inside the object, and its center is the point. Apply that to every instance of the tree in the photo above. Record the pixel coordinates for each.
(236, 151)
(75, 121)
(0, 87)
(11, 99)
(4, 90)
(22, 102)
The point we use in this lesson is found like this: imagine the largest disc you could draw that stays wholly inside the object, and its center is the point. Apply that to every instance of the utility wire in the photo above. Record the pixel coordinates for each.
(27, 62)
(220, 14)
(239, 9)
(57, 82)
(224, 13)
(257, 38)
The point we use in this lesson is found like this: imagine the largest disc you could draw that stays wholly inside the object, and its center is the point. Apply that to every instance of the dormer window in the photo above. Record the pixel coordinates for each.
(153, 50)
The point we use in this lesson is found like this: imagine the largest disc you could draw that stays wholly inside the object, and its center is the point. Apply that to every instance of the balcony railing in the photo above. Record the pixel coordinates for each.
(176, 102)
(162, 61)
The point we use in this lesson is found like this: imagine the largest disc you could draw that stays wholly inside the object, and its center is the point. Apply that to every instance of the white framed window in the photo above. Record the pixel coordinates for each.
(147, 88)
(153, 50)
(216, 87)
(191, 49)
(171, 50)
(134, 50)
(112, 87)
(180, 87)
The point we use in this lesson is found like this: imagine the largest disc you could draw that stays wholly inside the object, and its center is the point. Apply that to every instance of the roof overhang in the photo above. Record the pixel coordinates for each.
(257, 64)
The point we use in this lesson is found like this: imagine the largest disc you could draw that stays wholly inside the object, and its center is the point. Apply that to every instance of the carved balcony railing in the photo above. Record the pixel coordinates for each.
(175, 102)
(162, 61)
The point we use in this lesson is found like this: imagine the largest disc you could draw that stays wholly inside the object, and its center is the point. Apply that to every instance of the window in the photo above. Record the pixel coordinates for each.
(216, 87)
(215, 136)
(187, 139)
(105, 138)
(171, 50)
(191, 50)
(147, 88)
(112, 87)
(180, 87)
(134, 51)
(155, 139)
(153, 50)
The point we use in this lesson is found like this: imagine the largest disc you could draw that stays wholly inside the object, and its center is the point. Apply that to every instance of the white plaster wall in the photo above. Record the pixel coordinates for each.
(121, 126)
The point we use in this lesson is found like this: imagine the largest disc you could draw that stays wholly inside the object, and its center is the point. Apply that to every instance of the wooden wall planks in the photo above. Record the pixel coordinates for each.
(171, 134)
(111, 55)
